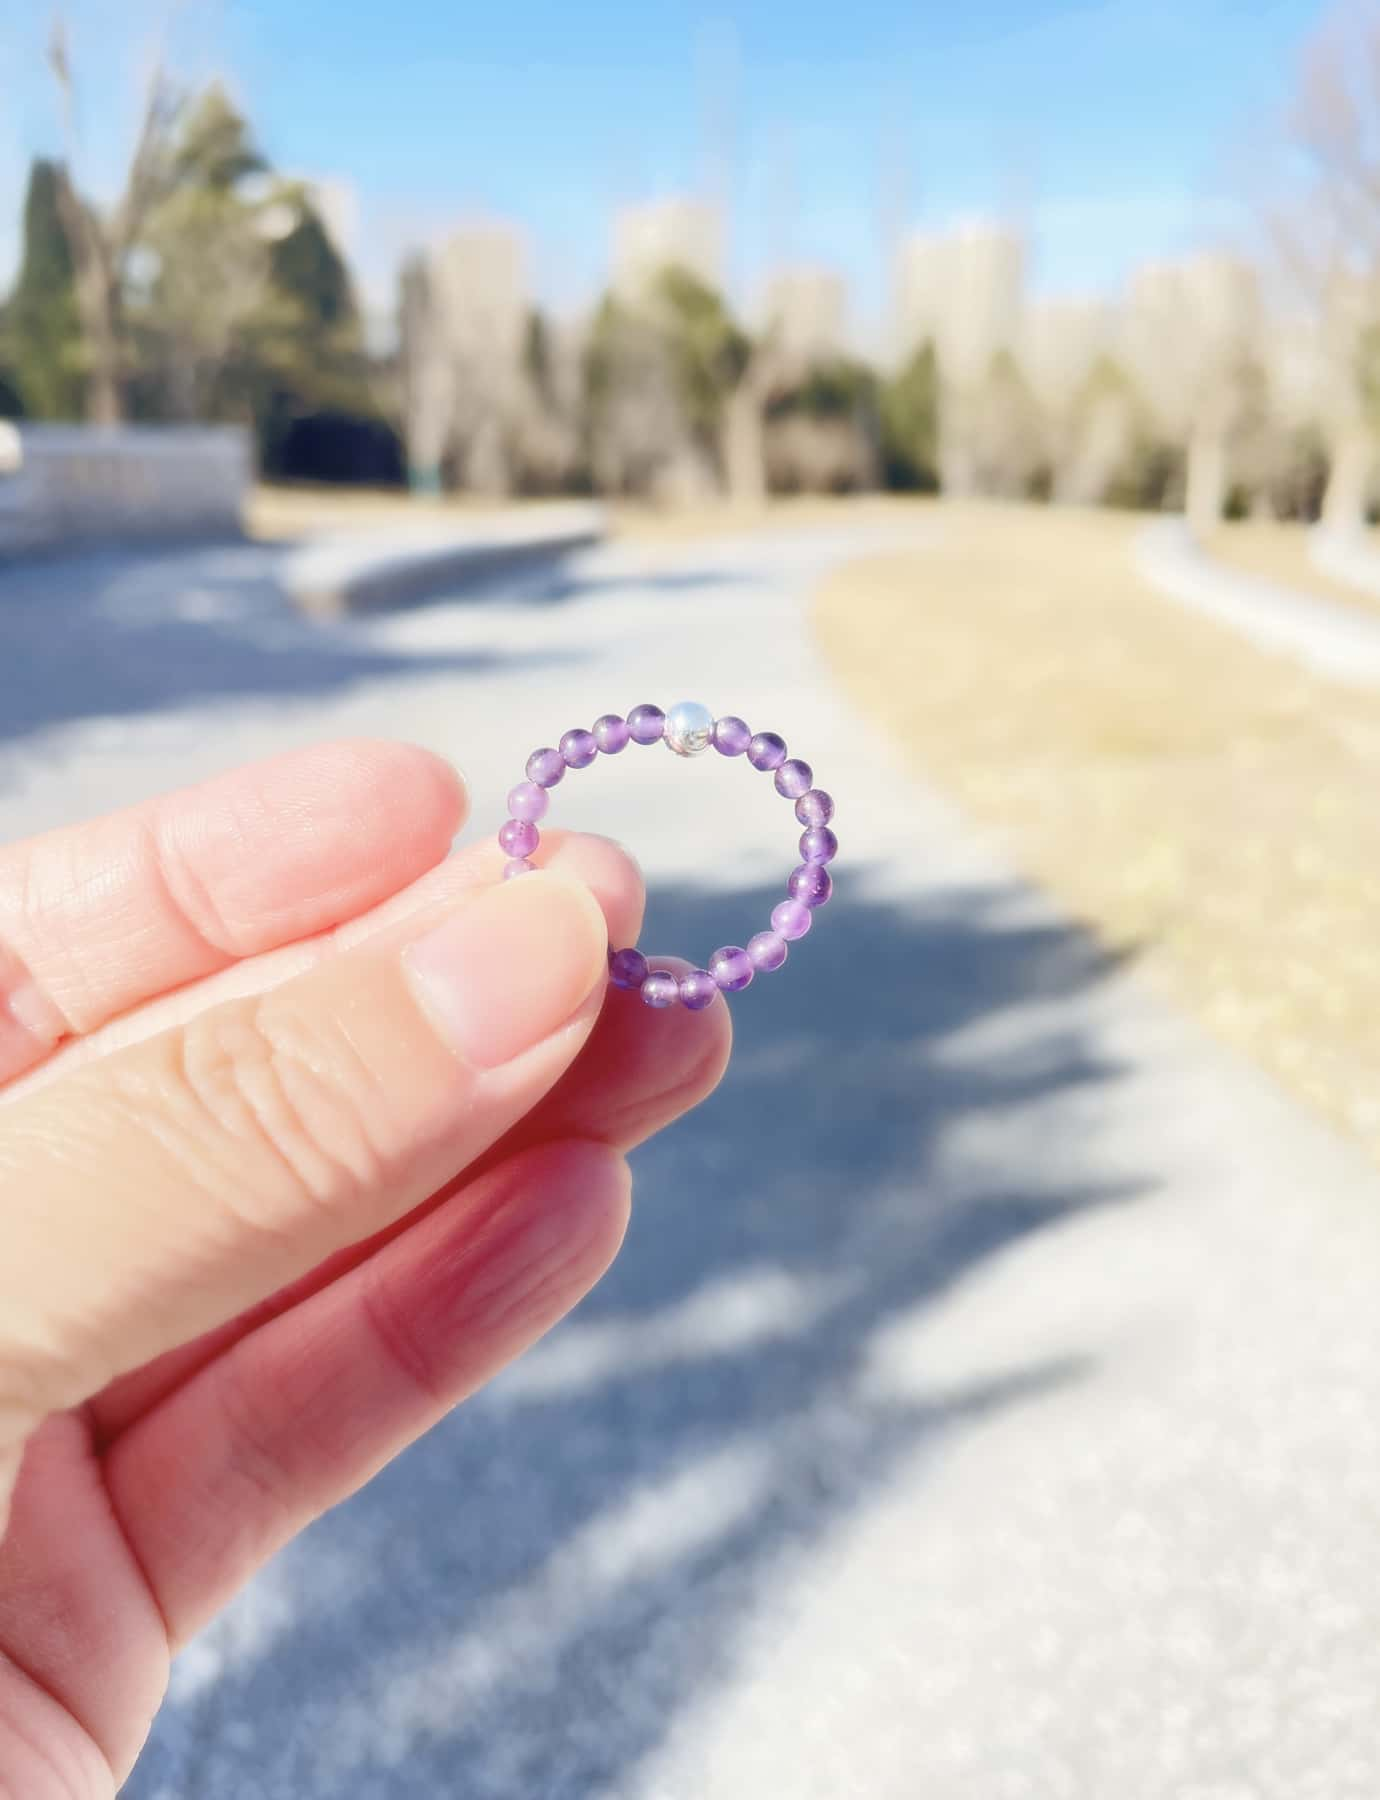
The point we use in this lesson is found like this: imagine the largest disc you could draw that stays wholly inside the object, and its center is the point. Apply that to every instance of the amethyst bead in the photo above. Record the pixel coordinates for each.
(697, 989)
(793, 779)
(611, 733)
(518, 865)
(731, 736)
(767, 950)
(818, 844)
(731, 968)
(660, 988)
(815, 808)
(812, 883)
(528, 801)
(519, 837)
(767, 751)
(627, 968)
(578, 749)
(646, 724)
(546, 767)
(792, 918)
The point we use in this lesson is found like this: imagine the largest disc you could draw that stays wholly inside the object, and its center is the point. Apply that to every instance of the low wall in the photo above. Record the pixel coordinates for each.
(66, 483)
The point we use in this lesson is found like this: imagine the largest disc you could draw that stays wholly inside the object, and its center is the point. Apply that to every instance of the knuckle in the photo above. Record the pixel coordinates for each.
(394, 1332)
(291, 1106)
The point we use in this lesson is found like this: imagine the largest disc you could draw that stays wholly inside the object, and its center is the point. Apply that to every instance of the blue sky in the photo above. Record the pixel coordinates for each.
(1117, 131)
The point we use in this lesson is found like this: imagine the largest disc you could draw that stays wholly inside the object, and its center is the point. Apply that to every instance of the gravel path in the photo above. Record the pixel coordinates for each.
(985, 1402)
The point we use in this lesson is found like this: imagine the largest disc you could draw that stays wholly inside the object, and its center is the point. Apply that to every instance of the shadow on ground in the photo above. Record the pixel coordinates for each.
(525, 1602)
(118, 633)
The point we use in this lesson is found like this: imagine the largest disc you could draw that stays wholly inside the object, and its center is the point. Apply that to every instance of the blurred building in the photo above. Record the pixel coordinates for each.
(805, 315)
(676, 231)
(464, 327)
(963, 291)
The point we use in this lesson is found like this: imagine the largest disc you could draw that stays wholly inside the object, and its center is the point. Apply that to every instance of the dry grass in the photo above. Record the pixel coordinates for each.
(1179, 790)
(1280, 553)
(297, 511)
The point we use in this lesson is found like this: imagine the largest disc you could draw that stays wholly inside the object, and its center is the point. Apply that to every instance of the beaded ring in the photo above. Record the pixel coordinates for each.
(688, 730)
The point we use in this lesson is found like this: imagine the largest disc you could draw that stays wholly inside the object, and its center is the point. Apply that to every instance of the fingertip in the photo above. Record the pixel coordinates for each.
(608, 870)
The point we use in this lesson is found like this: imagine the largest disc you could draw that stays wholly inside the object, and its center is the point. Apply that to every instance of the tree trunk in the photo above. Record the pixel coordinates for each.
(1206, 488)
(744, 455)
(1348, 482)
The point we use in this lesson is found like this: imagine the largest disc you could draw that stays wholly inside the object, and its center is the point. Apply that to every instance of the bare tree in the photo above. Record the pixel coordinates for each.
(102, 243)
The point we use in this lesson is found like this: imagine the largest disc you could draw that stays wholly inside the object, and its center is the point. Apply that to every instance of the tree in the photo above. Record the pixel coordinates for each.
(717, 377)
(101, 242)
(42, 334)
(909, 408)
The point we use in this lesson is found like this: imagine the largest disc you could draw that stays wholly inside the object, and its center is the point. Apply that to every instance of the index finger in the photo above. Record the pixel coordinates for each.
(98, 917)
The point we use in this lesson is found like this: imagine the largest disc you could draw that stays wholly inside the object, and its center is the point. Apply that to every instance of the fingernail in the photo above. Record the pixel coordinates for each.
(509, 967)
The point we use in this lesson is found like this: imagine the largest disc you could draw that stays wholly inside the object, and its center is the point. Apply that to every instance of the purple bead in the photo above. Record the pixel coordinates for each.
(518, 865)
(731, 736)
(627, 968)
(528, 801)
(660, 988)
(697, 989)
(794, 779)
(611, 733)
(792, 918)
(578, 749)
(767, 751)
(731, 968)
(546, 767)
(815, 808)
(818, 844)
(812, 883)
(767, 950)
(646, 724)
(519, 837)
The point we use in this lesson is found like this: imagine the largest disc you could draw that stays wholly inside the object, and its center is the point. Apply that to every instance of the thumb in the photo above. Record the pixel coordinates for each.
(149, 1196)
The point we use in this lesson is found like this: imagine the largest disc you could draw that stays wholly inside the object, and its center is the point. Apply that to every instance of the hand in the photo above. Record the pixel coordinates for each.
(306, 1133)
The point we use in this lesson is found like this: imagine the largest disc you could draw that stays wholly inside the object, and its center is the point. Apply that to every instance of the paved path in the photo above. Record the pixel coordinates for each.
(984, 1405)
(1337, 641)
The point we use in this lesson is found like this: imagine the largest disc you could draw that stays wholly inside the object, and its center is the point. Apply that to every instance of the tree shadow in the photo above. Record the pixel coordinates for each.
(120, 633)
(523, 1603)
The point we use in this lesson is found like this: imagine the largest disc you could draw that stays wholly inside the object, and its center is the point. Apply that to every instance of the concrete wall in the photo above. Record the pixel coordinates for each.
(65, 483)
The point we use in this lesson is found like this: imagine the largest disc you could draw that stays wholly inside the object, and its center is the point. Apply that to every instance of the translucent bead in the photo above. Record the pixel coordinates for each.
(627, 968)
(815, 808)
(660, 989)
(546, 767)
(812, 883)
(731, 736)
(818, 844)
(792, 919)
(518, 865)
(767, 950)
(767, 751)
(519, 837)
(646, 724)
(697, 989)
(578, 749)
(731, 968)
(793, 779)
(689, 728)
(611, 733)
(528, 801)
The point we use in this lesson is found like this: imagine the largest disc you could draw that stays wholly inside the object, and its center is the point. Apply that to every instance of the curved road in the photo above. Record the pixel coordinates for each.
(985, 1402)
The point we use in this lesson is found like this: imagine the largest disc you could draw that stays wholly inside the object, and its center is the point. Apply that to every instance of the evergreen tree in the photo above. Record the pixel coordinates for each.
(42, 334)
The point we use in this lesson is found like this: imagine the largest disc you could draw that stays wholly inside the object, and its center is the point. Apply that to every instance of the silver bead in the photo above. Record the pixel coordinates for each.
(689, 728)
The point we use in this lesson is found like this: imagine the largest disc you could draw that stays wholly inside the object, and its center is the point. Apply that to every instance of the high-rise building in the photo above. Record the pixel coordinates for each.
(962, 291)
(677, 231)
(806, 315)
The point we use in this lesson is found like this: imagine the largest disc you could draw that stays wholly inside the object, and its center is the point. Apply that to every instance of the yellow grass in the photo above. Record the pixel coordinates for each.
(1181, 791)
(1279, 552)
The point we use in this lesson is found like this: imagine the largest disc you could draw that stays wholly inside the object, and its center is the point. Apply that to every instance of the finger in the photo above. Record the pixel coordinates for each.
(639, 1071)
(95, 918)
(602, 866)
(302, 1412)
(157, 1193)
